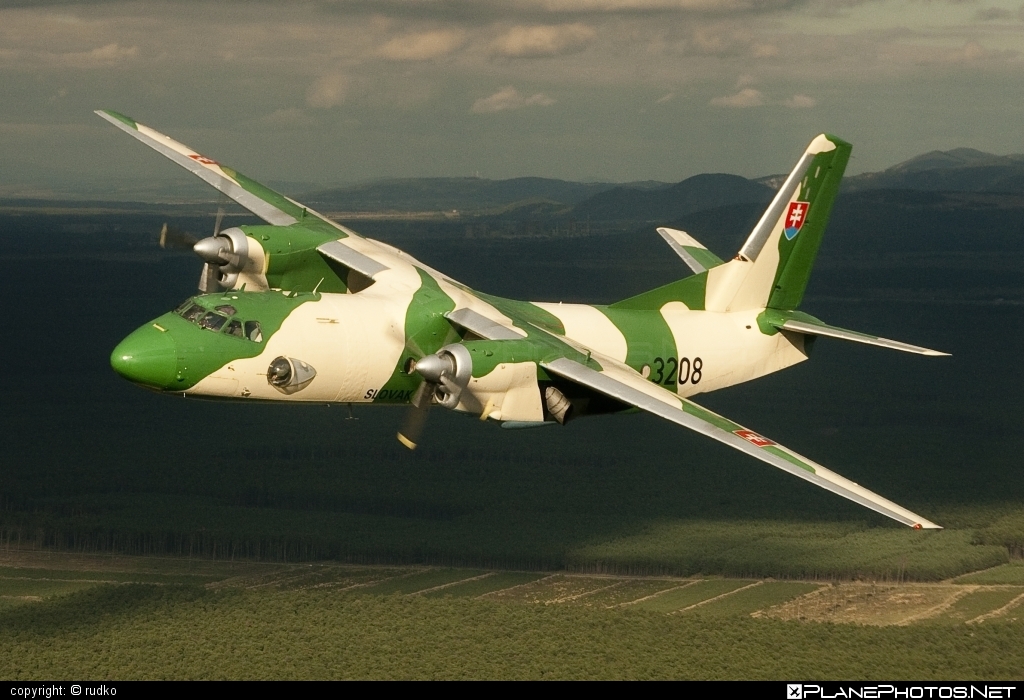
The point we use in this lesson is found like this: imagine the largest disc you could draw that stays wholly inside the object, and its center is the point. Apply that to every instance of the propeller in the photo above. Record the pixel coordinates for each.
(224, 253)
(446, 374)
(172, 238)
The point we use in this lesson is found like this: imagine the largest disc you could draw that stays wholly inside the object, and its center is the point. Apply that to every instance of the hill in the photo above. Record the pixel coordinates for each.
(458, 193)
(693, 194)
(957, 170)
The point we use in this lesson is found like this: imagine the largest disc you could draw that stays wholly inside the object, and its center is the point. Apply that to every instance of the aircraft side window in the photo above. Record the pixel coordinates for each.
(253, 331)
(235, 328)
(212, 321)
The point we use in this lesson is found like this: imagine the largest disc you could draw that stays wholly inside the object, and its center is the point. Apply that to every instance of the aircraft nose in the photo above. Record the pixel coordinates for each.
(146, 357)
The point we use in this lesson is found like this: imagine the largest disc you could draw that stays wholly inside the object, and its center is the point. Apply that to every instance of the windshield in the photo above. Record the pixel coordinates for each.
(222, 319)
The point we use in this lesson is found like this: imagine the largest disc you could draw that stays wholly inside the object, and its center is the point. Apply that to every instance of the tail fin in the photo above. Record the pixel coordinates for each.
(774, 265)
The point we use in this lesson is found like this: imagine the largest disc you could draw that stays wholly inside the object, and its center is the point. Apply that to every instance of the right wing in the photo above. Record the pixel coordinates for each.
(273, 207)
(618, 381)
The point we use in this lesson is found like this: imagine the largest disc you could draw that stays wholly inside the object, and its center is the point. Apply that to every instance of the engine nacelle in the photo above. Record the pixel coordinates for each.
(226, 256)
(448, 371)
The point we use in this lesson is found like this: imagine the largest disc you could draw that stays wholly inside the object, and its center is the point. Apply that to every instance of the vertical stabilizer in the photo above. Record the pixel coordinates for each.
(774, 264)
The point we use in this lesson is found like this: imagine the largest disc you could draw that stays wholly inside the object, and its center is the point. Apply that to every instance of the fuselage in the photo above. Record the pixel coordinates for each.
(358, 348)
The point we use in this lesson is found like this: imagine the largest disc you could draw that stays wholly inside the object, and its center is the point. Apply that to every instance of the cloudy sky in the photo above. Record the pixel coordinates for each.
(335, 91)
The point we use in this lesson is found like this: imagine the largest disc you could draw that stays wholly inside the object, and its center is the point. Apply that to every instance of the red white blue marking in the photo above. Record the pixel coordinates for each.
(795, 217)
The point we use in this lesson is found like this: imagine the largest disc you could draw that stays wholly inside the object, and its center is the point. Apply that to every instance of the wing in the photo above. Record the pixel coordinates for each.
(273, 207)
(620, 382)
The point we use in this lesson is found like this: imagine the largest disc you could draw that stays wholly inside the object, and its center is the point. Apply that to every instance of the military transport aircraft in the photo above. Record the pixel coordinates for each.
(305, 309)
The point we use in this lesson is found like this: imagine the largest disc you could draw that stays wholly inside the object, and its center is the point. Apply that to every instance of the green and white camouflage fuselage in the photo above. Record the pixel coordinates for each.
(306, 310)
(360, 345)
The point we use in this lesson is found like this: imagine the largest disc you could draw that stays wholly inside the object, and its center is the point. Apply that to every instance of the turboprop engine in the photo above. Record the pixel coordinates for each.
(446, 374)
(224, 255)
(505, 387)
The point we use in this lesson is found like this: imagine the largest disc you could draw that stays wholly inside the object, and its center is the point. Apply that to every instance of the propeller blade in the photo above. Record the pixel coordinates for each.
(208, 279)
(172, 238)
(220, 218)
(416, 418)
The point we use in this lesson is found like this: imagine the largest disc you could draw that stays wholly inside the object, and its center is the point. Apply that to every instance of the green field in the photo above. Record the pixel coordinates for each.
(1011, 573)
(755, 598)
(498, 581)
(418, 582)
(687, 595)
(244, 620)
(978, 603)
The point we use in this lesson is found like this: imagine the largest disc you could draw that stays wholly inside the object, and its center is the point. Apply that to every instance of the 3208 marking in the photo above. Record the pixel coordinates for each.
(681, 370)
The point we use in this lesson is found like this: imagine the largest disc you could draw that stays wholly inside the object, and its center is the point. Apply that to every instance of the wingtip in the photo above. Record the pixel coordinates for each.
(112, 116)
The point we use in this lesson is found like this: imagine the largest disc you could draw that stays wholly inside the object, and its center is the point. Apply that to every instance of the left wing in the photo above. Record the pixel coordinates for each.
(273, 207)
(622, 383)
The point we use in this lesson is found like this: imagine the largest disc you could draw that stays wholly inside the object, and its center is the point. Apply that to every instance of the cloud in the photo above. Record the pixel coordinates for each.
(509, 98)
(543, 40)
(747, 97)
(987, 14)
(800, 102)
(641, 6)
(718, 6)
(973, 52)
(328, 91)
(765, 50)
(105, 56)
(665, 98)
(423, 46)
(290, 117)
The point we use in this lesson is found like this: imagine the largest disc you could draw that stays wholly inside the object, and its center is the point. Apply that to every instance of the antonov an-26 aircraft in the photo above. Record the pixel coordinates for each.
(304, 309)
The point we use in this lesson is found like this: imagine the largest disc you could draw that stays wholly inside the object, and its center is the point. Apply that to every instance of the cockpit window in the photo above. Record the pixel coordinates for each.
(191, 312)
(220, 320)
(212, 321)
(253, 331)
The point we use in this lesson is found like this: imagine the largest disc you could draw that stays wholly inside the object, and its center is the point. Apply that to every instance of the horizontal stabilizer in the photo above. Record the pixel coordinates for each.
(693, 253)
(808, 325)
